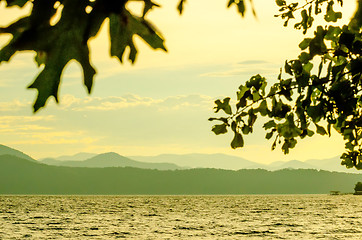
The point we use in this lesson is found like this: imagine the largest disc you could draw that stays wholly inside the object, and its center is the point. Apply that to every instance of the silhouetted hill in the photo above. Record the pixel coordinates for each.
(76, 157)
(20, 176)
(295, 164)
(4, 150)
(331, 164)
(110, 159)
(221, 161)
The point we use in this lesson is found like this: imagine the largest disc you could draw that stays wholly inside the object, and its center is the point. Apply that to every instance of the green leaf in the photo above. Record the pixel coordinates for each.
(321, 130)
(122, 30)
(237, 141)
(333, 33)
(222, 119)
(246, 129)
(274, 145)
(149, 5)
(331, 15)
(121, 37)
(256, 81)
(310, 133)
(180, 6)
(241, 7)
(270, 124)
(256, 96)
(252, 118)
(305, 43)
(288, 68)
(152, 37)
(40, 58)
(308, 67)
(349, 146)
(317, 45)
(263, 108)
(315, 112)
(223, 105)
(280, 2)
(269, 135)
(219, 129)
(241, 103)
(96, 18)
(230, 2)
(297, 66)
(304, 57)
(347, 39)
(243, 90)
(19, 3)
(57, 49)
(288, 129)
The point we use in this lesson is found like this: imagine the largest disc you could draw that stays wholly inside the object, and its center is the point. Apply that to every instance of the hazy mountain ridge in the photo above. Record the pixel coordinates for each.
(76, 157)
(197, 160)
(5, 150)
(177, 161)
(20, 176)
(228, 162)
(110, 159)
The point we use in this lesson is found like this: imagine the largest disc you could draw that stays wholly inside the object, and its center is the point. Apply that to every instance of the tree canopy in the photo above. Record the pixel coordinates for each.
(320, 89)
(358, 186)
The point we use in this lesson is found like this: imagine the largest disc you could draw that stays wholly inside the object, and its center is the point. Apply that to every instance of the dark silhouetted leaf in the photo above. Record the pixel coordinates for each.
(237, 141)
(219, 129)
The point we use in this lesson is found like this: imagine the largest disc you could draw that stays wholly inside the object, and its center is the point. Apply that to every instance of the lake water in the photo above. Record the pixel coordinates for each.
(186, 217)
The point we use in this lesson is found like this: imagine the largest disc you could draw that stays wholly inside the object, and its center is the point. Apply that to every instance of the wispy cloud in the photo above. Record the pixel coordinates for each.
(25, 119)
(54, 138)
(30, 130)
(128, 121)
(253, 62)
(69, 102)
(246, 68)
(13, 106)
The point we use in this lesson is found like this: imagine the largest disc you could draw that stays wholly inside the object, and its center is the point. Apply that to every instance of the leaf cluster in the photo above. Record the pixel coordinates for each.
(57, 44)
(308, 98)
(307, 10)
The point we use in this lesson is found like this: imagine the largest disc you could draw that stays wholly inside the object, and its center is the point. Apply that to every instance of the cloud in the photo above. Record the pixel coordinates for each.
(111, 103)
(125, 121)
(54, 138)
(70, 102)
(24, 125)
(30, 130)
(246, 68)
(22, 129)
(253, 62)
(24, 119)
(13, 106)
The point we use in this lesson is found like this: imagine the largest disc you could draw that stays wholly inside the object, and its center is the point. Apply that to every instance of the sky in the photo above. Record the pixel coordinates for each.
(161, 103)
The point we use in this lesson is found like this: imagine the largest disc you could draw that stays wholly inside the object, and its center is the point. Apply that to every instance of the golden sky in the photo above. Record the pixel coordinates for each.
(162, 103)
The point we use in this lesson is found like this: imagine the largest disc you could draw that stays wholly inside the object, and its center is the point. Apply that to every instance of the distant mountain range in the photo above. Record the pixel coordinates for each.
(228, 162)
(76, 157)
(220, 161)
(174, 161)
(21, 176)
(110, 159)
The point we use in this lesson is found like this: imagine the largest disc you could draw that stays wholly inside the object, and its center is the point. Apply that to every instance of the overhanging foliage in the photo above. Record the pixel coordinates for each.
(308, 98)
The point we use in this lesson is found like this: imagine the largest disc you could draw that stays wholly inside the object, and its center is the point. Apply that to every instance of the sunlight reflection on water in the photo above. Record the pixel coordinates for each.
(172, 217)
